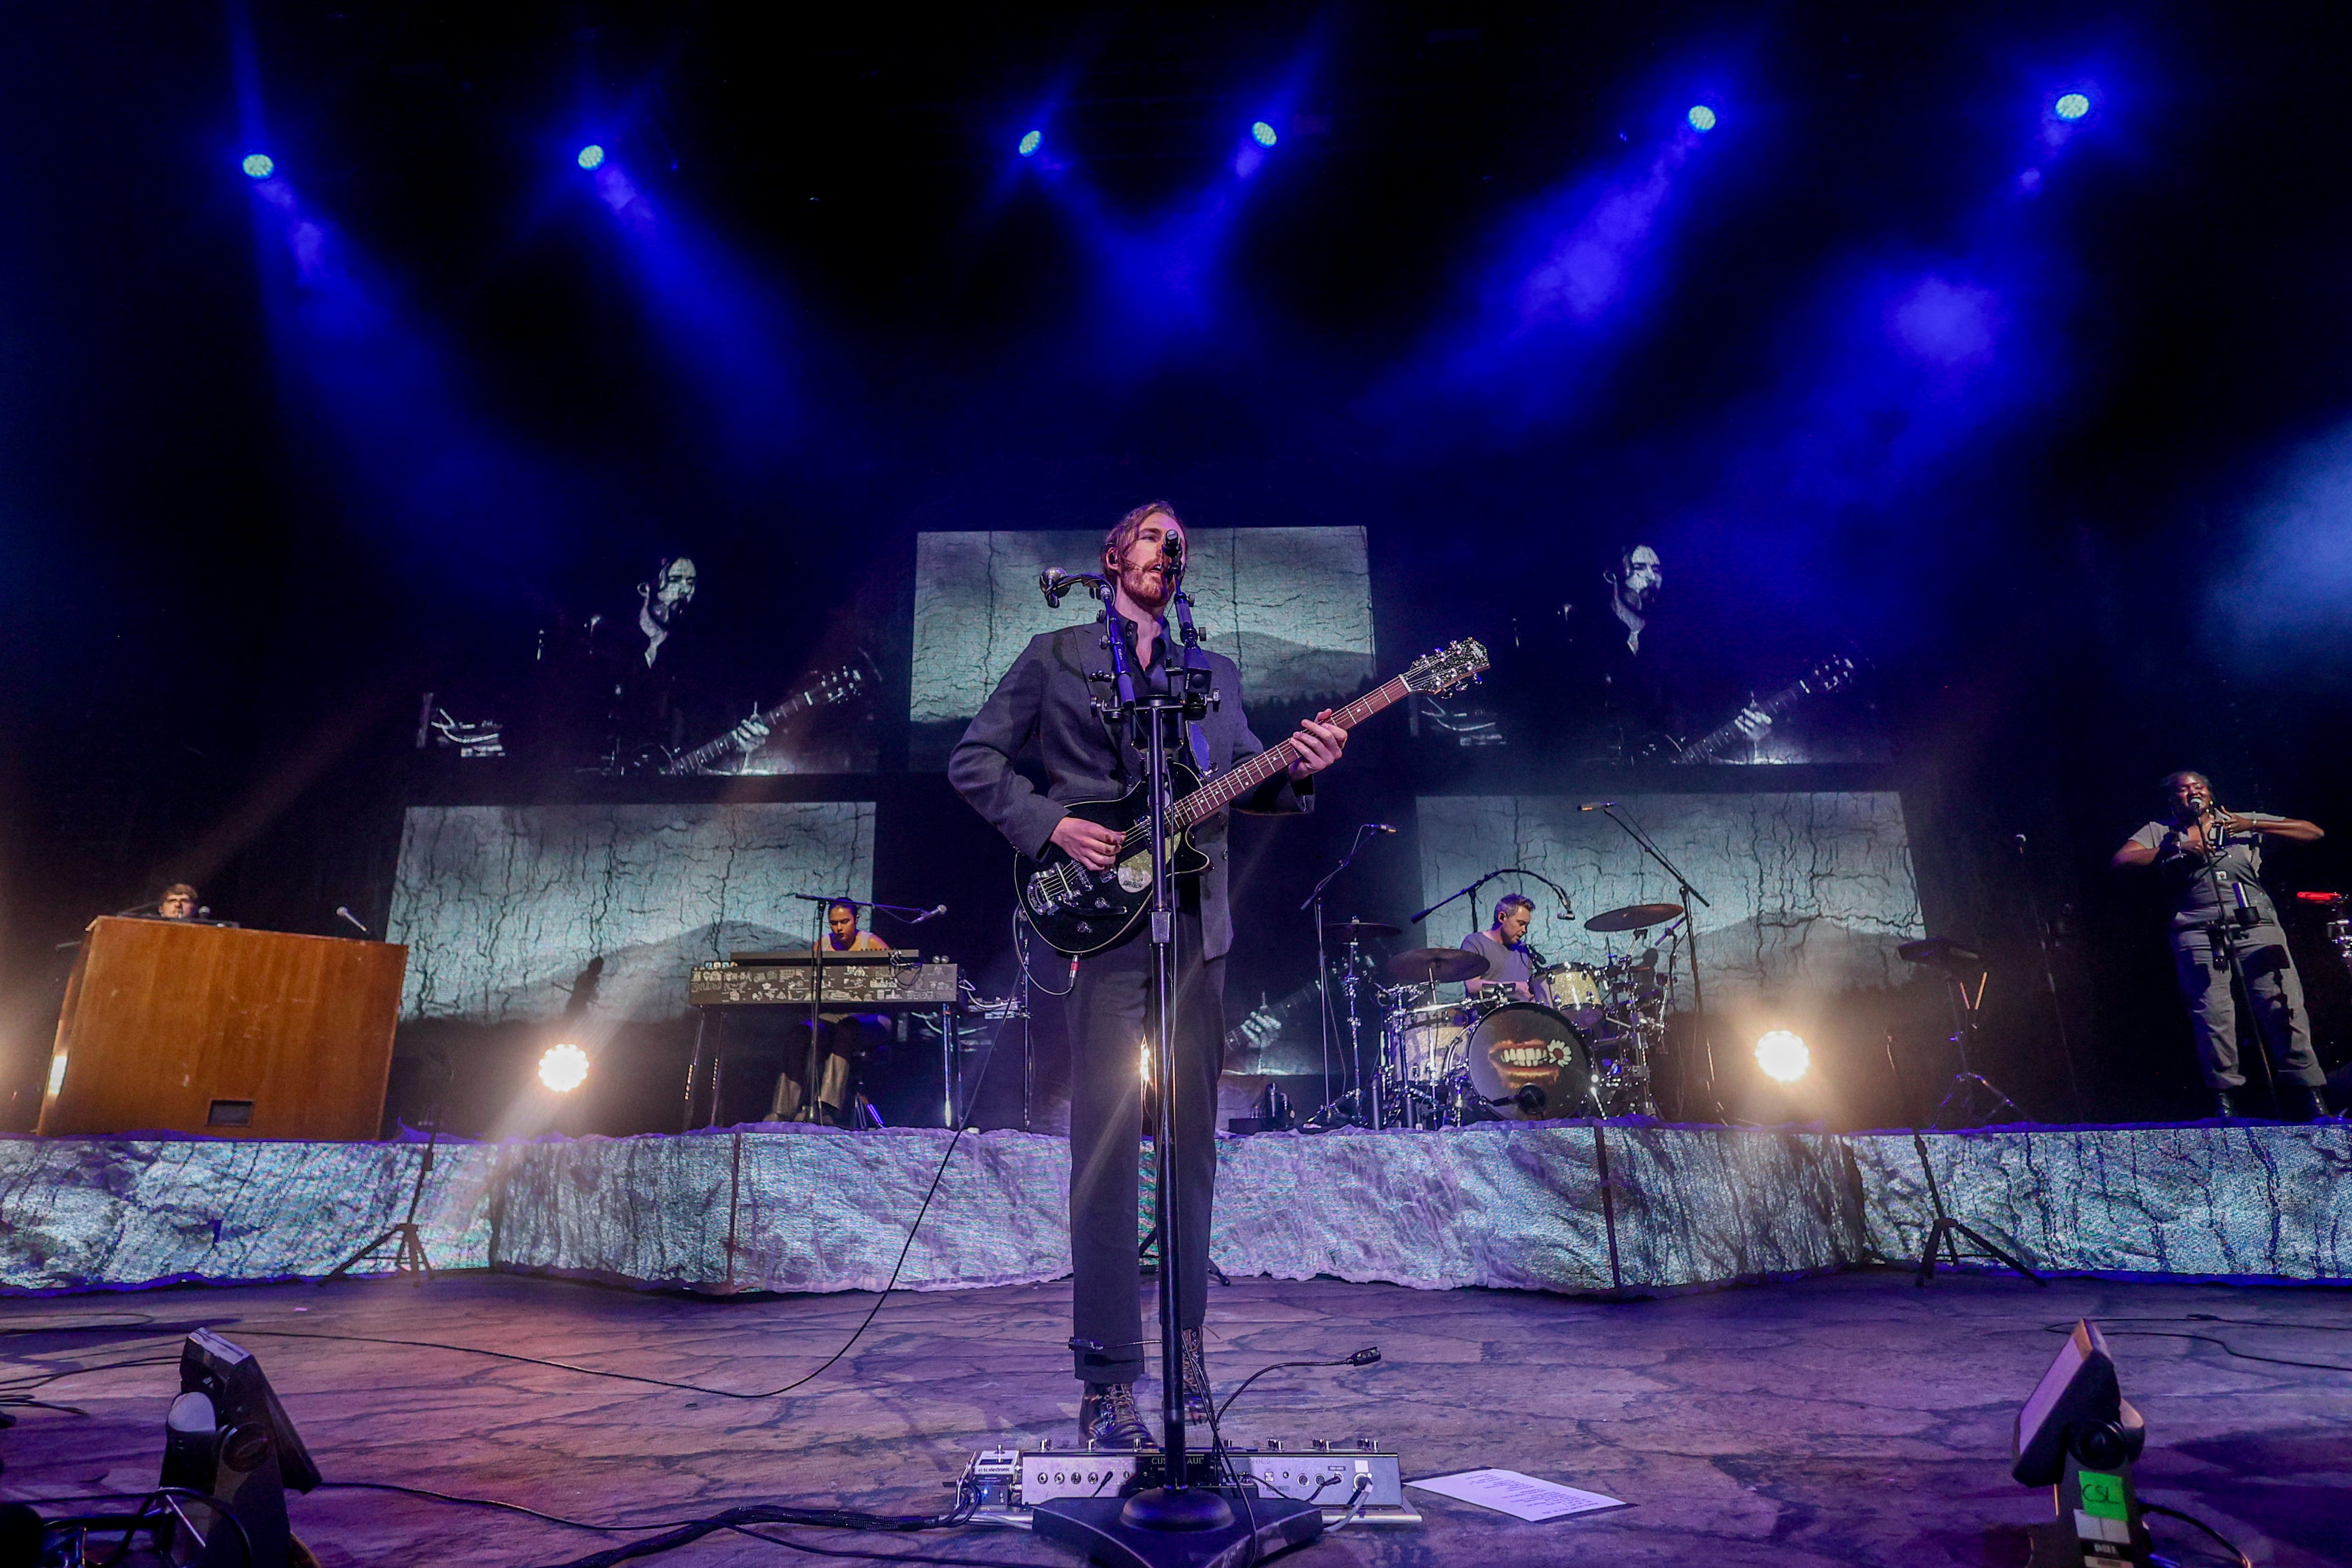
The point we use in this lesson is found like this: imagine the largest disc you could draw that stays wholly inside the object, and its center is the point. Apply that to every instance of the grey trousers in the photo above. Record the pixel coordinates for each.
(2280, 1017)
(1108, 1018)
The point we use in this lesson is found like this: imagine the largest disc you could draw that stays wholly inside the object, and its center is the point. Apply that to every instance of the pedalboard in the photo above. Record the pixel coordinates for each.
(1357, 1476)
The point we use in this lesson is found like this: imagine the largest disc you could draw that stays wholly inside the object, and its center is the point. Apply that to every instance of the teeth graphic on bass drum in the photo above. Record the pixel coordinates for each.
(1523, 1056)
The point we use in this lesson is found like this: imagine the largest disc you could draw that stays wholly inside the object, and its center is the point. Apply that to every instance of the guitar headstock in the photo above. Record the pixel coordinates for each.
(1447, 670)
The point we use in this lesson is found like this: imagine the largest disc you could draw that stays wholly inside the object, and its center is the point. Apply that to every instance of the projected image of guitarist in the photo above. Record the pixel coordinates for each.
(1647, 696)
(1045, 708)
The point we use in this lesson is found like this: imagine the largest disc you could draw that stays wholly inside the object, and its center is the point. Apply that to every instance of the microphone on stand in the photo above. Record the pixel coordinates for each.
(347, 915)
(927, 915)
(1172, 557)
(1054, 582)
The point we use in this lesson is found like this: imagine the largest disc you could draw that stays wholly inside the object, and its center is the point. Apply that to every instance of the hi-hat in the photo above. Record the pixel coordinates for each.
(1358, 929)
(1633, 917)
(1436, 965)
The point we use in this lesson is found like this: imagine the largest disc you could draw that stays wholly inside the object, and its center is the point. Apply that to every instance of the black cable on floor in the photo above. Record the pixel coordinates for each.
(2181, 1333)
(19, 1384)
(1364, 1357)
(431, 1495)
(874, 1556)
(2243, 1561)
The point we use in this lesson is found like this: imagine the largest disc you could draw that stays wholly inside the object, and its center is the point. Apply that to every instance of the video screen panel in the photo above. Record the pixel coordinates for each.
(516, 913)
(1809, 891)
(1293, 607)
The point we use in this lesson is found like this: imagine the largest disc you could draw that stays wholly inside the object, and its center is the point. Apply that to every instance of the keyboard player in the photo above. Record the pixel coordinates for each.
(843, 1039)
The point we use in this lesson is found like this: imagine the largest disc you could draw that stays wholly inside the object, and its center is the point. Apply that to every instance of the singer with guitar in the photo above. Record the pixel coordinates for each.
(2210, 861)
(1045, 708)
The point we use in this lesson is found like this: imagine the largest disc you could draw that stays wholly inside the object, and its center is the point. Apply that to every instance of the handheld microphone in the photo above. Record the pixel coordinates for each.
(346, 914)
(1054, 582)
(1596, 805)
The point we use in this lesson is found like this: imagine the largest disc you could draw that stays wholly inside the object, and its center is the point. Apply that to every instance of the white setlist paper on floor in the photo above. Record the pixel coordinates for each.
(1522, 1497)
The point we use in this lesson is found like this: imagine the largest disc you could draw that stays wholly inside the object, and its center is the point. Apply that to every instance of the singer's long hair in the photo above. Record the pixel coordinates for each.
(1123, 532)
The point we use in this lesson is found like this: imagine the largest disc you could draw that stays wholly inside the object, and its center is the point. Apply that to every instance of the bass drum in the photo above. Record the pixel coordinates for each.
(1571, 990)
(1431, 1043)
(1524, 1047)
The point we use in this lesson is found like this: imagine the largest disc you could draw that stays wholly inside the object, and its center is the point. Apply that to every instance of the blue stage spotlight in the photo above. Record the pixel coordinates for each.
(257, 166)
(1262, 133)
(2071, 106)
(1701, 118)
(1030, 143)
(592, 156)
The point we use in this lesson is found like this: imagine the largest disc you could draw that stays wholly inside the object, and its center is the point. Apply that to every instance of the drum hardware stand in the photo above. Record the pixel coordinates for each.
(1685, 894)
(1944, 1227)
(2049, 978)
(1354, 1095)
(1967, 1013)
(408, 1256)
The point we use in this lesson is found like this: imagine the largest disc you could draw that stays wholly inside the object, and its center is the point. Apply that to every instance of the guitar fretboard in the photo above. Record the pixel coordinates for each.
(1224, 790)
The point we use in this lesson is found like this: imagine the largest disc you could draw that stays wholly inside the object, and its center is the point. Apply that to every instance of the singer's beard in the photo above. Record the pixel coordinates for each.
(1149, 588)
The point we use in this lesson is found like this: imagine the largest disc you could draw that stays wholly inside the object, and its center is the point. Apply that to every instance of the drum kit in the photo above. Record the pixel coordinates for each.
(1578, 1040)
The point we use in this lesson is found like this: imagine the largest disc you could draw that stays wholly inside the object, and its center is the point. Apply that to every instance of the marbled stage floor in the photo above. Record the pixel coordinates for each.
(1850, 1419)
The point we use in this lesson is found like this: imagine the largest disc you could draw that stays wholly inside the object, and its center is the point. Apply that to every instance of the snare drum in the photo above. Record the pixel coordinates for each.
(1571, 990)
(1429, 1042)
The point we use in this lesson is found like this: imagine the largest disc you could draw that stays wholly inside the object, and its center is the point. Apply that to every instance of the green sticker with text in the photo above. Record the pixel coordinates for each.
(2103, 1494)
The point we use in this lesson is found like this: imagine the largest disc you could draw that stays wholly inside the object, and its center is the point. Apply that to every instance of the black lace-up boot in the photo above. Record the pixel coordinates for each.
(1107, 1418)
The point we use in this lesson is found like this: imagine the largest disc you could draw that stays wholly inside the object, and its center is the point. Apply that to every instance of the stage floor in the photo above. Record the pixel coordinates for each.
(1849, 1418)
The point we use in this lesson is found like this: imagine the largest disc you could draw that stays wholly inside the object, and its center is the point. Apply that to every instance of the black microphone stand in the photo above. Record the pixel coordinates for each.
(1175, 1523)
(2050, 977)
(1685, 893)
(2222, 935)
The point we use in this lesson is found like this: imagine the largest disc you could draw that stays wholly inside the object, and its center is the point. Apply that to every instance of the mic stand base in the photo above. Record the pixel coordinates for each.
(1158, 1529)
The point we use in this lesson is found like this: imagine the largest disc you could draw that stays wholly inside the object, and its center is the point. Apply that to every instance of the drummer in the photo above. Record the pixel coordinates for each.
(1510, 962)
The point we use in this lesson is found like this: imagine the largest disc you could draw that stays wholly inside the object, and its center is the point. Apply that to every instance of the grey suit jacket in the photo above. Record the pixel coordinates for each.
(1044, 707)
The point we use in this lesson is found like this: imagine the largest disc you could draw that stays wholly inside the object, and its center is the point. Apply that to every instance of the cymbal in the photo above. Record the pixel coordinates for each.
(1942, 952)
(1633, 917)
(1437, 965)
(1363, 928)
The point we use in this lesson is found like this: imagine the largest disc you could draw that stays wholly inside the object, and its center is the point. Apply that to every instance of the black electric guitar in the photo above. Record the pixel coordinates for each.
(1824, 677)
(1078, 912)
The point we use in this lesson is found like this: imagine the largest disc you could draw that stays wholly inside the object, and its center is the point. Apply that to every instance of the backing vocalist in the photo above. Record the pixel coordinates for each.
(2210, 861)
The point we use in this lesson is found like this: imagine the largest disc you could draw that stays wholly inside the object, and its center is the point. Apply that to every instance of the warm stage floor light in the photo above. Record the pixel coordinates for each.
(1784, 1057)
(564, 1067)
(257, 166)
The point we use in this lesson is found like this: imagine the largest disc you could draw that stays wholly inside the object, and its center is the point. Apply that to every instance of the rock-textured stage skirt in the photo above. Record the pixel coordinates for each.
(1560, 1206)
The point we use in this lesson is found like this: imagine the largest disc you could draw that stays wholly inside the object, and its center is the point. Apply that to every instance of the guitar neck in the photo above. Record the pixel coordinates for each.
(1772, 707)
(700, 755)
(1223, 792)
